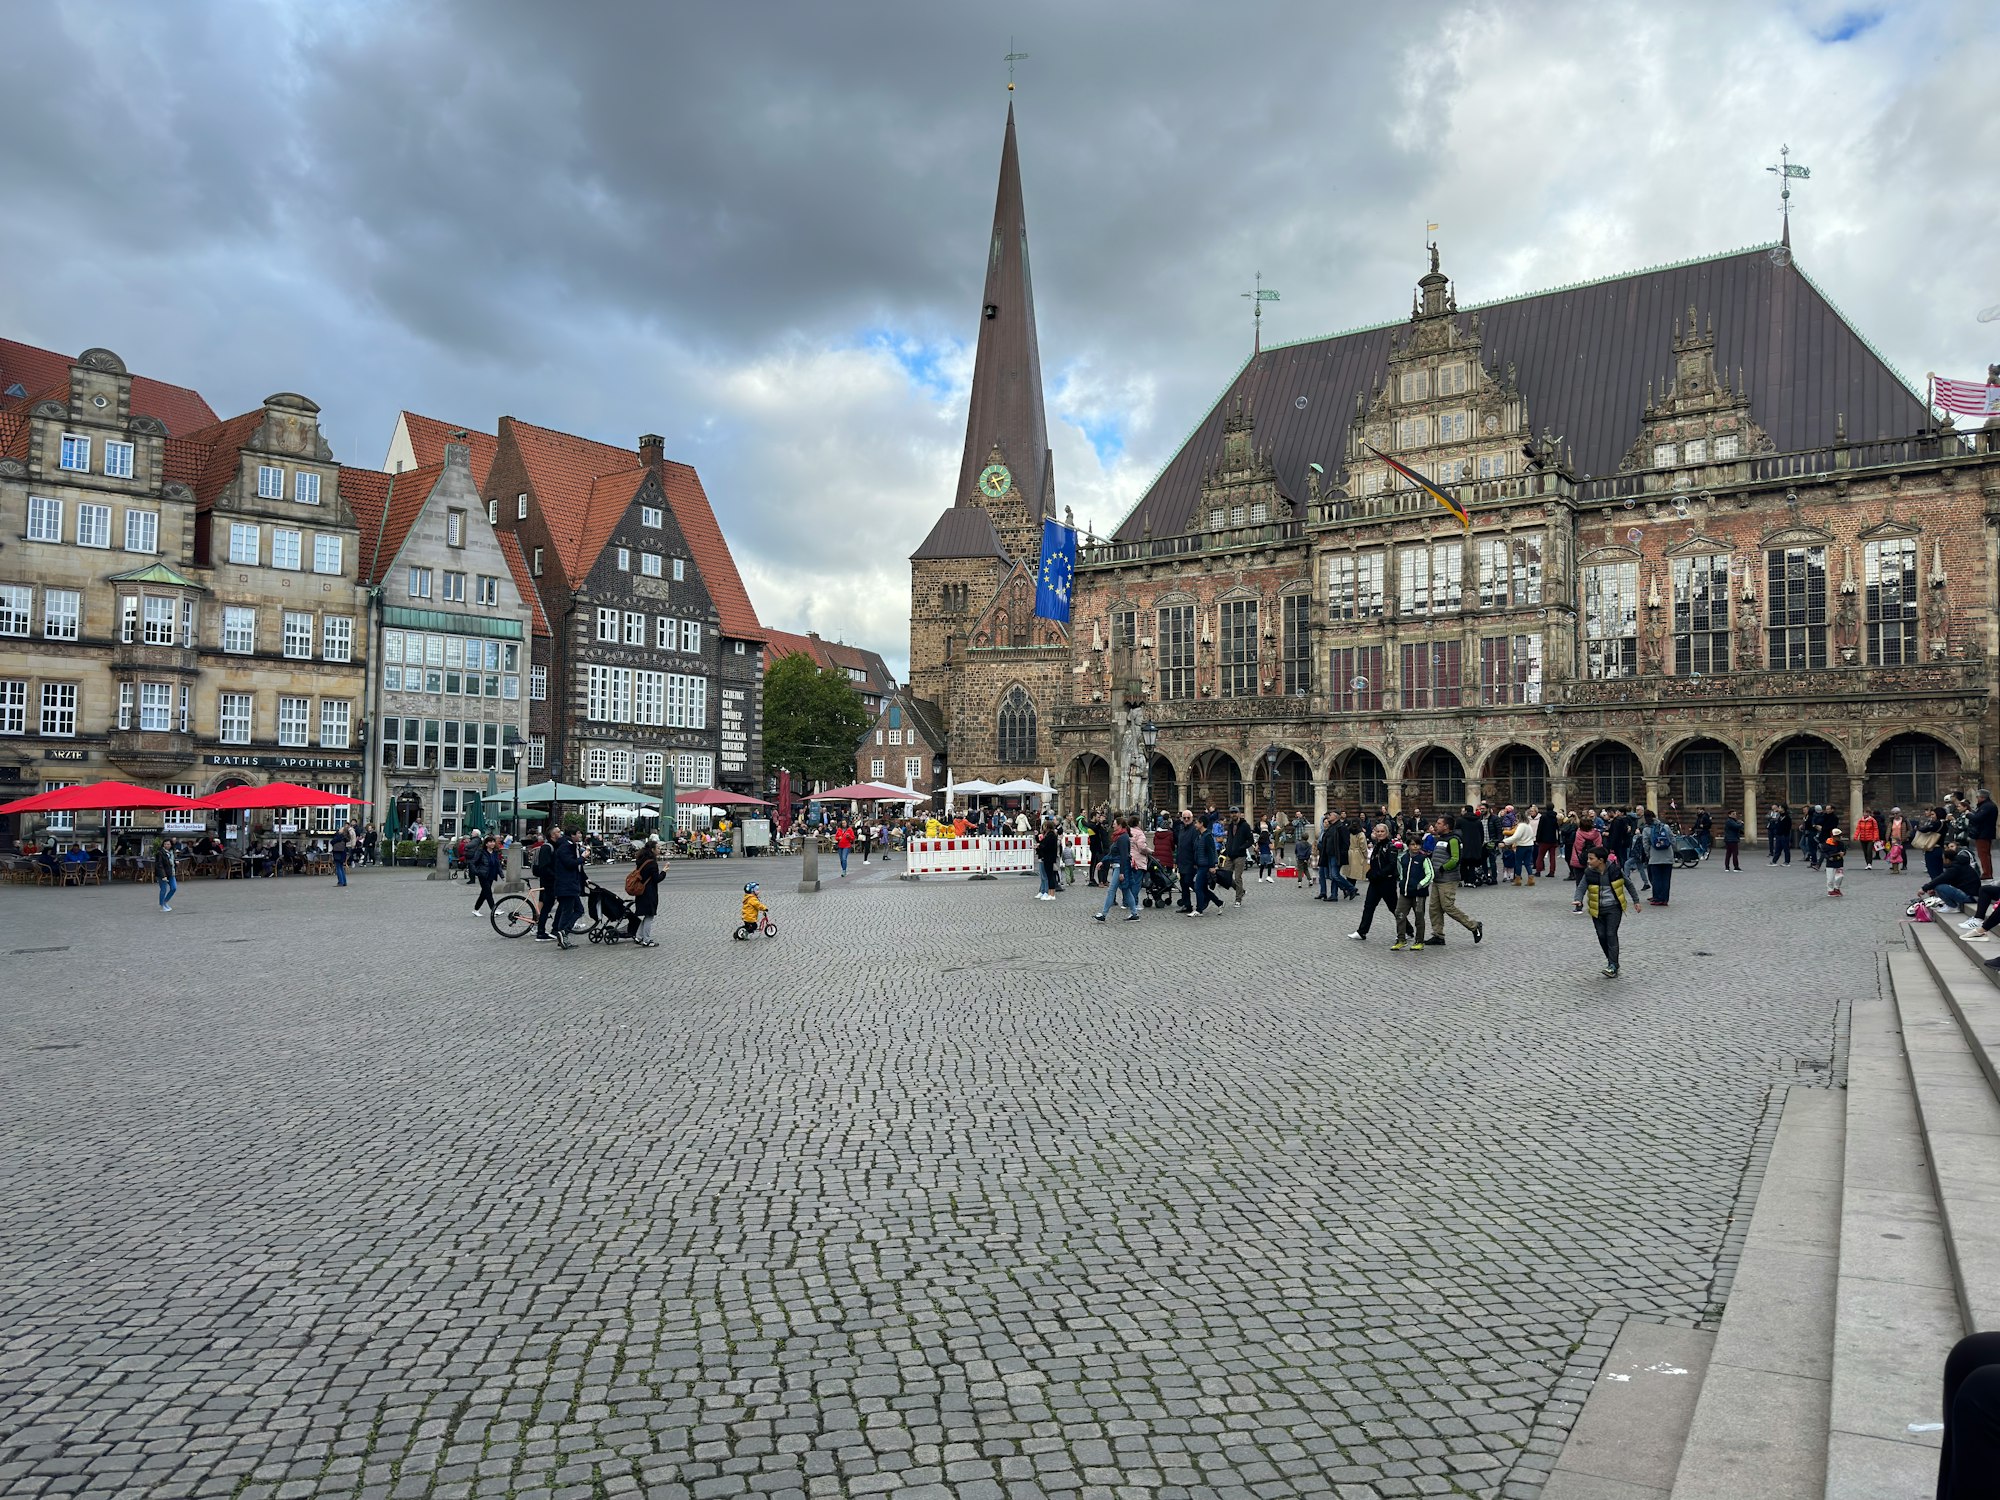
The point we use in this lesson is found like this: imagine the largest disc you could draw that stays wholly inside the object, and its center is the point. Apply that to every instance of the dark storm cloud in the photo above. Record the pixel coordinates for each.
(759, 228)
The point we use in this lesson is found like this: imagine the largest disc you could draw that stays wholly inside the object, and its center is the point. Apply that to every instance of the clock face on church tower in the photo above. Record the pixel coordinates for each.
(995, 480)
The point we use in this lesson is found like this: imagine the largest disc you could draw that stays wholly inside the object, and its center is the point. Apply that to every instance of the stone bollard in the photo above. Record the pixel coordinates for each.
(516, 875)
(441, 871)
(809, 863)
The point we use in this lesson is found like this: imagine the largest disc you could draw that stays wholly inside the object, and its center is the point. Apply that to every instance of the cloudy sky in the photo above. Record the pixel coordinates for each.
(758, 228)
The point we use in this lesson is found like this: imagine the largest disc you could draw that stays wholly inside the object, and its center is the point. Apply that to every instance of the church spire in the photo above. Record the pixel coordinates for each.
(1006, 407)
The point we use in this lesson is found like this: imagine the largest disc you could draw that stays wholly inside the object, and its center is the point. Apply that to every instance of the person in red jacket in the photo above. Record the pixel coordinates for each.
(843, 840)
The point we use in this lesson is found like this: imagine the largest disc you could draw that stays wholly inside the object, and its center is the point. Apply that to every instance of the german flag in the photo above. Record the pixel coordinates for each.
(1425, 485)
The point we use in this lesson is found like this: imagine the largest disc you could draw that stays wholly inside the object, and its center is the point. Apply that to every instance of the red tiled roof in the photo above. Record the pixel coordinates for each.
(579, 483)
(182, 409)
(517, 564)
(14, 435)
(428, 436)
(220, 462)
(387, 506)
(185, 460)
(696, 516)
(835, 654)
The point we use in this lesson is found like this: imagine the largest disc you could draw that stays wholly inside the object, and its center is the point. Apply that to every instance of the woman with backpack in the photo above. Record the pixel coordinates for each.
(1659, 857)
(643, 886)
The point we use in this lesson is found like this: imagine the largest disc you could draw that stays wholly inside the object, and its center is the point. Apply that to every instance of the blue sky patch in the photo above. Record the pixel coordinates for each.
(1106, 436)
(1848, 25)
(926, 365)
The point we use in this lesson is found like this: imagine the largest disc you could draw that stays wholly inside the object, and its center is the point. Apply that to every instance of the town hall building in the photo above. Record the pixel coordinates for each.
(1719, 554)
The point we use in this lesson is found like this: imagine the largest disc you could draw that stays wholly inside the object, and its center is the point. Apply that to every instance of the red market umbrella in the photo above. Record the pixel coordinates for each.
(99, 796)
(709, 797)
(784, 799)
(869, 791)
(274, 794)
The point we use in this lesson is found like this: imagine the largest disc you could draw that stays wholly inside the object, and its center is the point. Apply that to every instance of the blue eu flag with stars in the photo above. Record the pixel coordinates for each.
(1052, 584)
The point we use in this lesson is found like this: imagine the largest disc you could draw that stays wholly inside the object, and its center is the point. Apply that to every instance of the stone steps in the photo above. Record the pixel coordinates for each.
(1760, 1421)
(1874, 1244)
(1896, 1314)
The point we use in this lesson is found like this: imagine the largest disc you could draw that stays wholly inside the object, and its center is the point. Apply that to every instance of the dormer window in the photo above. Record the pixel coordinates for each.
(1451, 379)
(1415, 385)
(1663, 455)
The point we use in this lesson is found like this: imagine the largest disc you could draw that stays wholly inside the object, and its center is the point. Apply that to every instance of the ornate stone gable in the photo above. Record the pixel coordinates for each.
(1240, 490)
(1697, 421)
(1009, 620)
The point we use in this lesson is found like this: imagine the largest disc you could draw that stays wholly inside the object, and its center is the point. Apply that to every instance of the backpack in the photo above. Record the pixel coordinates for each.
(545, 862)
(1662, 837)
(635, 882)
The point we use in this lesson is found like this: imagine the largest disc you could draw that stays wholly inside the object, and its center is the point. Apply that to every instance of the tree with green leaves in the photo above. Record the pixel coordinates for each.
(813, 720)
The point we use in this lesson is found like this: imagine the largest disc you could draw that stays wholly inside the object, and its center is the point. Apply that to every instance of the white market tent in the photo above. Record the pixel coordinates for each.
(975, 788)
(1022, 787)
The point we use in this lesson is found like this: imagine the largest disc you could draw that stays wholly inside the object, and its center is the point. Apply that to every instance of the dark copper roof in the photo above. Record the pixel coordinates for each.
(962, 531)
(1005, 409)
(1583, 356)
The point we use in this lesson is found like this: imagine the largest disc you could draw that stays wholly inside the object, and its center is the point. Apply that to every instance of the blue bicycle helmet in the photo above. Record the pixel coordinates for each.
(750, 888)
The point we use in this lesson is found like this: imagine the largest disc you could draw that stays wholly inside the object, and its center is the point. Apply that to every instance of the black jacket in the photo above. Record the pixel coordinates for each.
(1961, 874)
(1985, 817)
(1547, 826)
(1204, 850)
(1186, 837)
(1241, 836)
(1382, 864)
(569, 868)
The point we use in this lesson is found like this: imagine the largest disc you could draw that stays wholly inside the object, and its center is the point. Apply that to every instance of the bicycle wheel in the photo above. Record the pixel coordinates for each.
(770, 928)
(513, 916)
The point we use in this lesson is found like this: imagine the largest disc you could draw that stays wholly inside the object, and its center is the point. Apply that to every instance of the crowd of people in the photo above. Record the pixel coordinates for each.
(1415, 864)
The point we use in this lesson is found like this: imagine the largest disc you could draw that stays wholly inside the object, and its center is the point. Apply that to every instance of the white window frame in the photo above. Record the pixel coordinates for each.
(148, 523)
(452, 587)
(156, 707)
(270, 482)
(93, 525)
(45, 519)
(489, 590)
(649, 515)
(680, 569)
(158, 616)
(538, 684)
(305, 488)
(336, 718)
(297, 636)
(329, 552)
(235, 718)
(420, 583)
(287, 548)
(521, 508)
(651, 564)
(624, 559)
(337, 638)
(294, 721)
(13, 705)
(538, 752)
(17, 609)
(239, 622)
(691, 637)
(62, 614)
(635, 628)
(117, 459)
(59, 710)
(73, 447)
(240, 533)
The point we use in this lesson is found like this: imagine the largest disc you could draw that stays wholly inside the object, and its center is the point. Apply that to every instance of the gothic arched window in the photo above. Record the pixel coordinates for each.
(1017, 728)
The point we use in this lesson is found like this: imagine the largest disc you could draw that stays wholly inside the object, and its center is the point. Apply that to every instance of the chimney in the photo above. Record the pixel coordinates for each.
(652, 450)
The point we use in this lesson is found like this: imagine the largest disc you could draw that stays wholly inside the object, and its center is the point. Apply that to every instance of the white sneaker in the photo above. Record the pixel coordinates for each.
(166, 908)
(1979, 937)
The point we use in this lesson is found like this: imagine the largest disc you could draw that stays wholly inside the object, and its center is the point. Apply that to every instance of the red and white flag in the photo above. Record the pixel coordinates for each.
(1968, 398)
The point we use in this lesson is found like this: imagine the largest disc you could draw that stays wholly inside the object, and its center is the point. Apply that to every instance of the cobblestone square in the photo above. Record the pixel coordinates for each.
(943, 1192)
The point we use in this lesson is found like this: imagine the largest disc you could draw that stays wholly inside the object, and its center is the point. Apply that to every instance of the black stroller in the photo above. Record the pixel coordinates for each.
(607, 917)
(1161, 887)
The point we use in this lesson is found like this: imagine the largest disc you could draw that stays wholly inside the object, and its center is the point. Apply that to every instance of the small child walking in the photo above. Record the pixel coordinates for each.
(753, 909)
(1834, 856)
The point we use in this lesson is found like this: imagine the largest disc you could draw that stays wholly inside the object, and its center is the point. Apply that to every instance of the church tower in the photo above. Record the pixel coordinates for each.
(1006, 478)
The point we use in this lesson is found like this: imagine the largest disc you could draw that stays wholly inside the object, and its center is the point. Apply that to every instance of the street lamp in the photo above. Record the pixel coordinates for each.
(1149, 737)
(511, 741)
(1271, 769)
(937, 777)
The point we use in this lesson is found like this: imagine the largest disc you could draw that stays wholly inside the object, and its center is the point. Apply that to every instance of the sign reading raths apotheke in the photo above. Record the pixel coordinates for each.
(284, 762)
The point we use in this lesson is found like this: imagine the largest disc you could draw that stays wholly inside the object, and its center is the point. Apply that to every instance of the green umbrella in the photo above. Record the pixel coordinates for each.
(475, 813)
(391, 826)
(669, 810)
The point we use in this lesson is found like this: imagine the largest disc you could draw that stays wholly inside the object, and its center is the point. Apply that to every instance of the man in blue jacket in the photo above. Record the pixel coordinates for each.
(1205, 855)
(569, 885)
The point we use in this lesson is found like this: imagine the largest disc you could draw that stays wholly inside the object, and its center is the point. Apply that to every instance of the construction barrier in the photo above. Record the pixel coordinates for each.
(1005, 854)
(1010, 854)
(947, 857)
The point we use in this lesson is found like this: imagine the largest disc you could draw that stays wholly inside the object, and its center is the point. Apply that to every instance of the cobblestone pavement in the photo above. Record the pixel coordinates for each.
(944, 1192)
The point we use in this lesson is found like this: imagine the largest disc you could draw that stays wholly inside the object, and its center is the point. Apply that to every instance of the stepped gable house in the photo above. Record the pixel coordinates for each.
(654, 648)
(1719, 555)
(450, 633)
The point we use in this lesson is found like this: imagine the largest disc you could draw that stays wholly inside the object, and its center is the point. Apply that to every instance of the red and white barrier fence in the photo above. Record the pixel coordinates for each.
(1005, 854)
